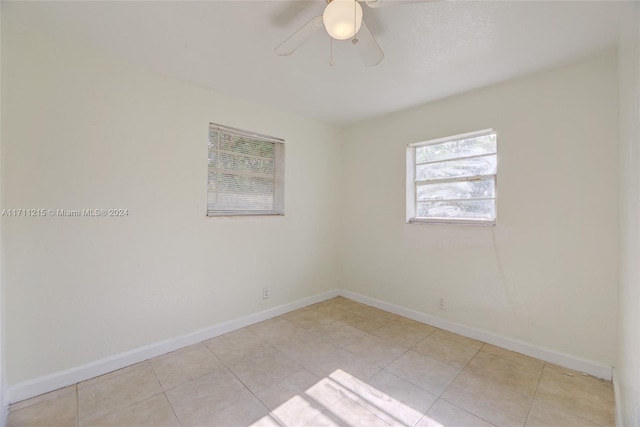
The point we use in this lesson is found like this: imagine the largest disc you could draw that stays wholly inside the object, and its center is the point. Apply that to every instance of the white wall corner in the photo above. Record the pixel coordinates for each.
(617, 398)
(565, 360)
(4, 400)
(57, 380)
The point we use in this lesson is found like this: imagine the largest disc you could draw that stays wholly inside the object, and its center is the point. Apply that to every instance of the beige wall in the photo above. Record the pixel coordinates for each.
(547, 274)
(84, 129)
(627, 373)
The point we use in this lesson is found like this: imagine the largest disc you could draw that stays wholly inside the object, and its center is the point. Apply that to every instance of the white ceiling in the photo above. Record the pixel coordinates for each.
(432, 50)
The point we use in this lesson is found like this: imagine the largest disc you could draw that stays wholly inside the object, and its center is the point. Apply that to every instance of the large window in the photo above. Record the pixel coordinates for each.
(453, 180)
(246, 173)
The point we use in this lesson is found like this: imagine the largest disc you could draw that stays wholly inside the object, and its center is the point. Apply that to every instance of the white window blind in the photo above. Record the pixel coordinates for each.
(453, 180)
(246, 173)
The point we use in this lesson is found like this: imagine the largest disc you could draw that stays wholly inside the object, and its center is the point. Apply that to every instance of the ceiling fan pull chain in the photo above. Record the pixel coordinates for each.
(355, 23)
(331, 57)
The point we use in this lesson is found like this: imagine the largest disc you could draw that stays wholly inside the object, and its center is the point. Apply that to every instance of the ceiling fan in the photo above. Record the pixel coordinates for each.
(343, 20)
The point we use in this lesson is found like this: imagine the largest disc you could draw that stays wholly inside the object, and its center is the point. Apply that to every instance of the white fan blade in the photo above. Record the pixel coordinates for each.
(289, 46)
(367, 47)
(288, 12)
(383, 3)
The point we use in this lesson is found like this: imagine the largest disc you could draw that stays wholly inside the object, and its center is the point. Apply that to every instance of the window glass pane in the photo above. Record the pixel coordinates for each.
(230, 183)
(245, 173)
(241, 163)
(457, 190)
(213, 181)
(474, 209)
(243, 145)
(245, 202)
(461, 148)
(457, 168)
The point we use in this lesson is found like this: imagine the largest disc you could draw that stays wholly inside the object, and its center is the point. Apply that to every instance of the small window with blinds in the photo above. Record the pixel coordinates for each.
(246, 173)
(453, 180)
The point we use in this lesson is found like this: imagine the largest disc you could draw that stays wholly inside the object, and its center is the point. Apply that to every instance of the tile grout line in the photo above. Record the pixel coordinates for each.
(461, 370)
(271, 346)
(164, 392)
(253, 394)
(509, 360)
(551, 403)
(372, 333)
(264, 404)
(462, 409)
(408, 348)
(366, 409)
(77, 406)
(380, 369)
(271, 414)
(535, 393)
(359, 357)
(502, 358)
(111, 373)
(339, 346)
(456, 377)
(437, 397)
(140, 401)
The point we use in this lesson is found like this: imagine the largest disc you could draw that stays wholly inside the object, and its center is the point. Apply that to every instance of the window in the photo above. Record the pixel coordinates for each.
(246, 173)
(453, 180)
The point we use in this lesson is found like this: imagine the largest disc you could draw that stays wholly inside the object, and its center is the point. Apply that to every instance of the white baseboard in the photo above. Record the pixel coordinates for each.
(565, 360)
(51, 382)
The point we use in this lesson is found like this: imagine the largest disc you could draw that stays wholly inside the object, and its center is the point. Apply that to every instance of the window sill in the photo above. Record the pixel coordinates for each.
(242, 214)
(448, 221)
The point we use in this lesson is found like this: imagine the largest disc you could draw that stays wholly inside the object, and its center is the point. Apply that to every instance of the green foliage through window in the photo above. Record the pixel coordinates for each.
(454, 179)
(246, 174)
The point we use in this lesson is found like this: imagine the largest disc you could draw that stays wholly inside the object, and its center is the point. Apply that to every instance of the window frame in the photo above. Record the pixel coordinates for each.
(278, 176)
(412, 187)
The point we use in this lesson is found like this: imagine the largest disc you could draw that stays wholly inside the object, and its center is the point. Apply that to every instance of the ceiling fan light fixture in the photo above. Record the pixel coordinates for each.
(342, 18)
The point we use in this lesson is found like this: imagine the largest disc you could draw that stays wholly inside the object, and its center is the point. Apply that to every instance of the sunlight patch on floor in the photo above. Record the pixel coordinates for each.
(344, 400)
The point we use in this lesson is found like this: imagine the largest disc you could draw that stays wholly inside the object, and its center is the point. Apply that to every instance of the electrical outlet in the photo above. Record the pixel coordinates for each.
(265, 293)
(443, 304)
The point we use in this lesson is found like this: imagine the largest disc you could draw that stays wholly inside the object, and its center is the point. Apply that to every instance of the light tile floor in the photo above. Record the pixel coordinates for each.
(336, 363)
